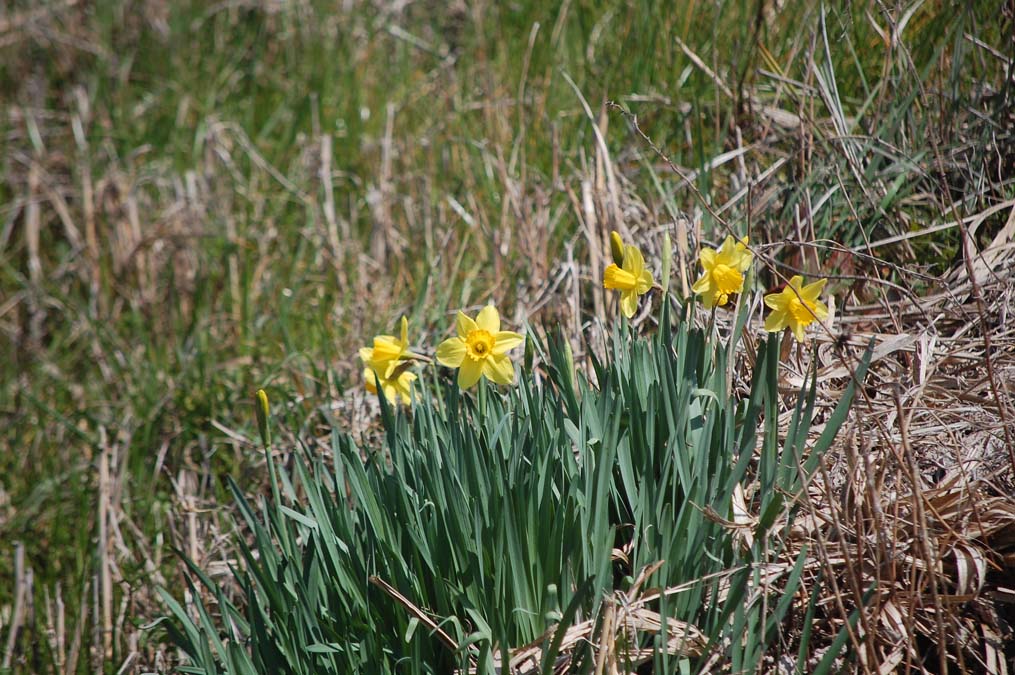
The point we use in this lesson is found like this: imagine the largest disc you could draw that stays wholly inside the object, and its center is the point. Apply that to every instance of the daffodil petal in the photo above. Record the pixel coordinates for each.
(702, 284)
(645, 282)
(451, 352)
(505, 341)
(499, 369)
(380, 366)
(404, 386)
(706, 257)
(464, 324)
(386, 347)
(469, 373)
(798, 332)
(776, 301)
(366, 353)
(812, 291)
(619, 279)
(369, 380)
(775, 321)
(390, 391)
(629, 303)
(730, 253)
(820, 310)
(744, 261)
(633, 261)
(488, 319)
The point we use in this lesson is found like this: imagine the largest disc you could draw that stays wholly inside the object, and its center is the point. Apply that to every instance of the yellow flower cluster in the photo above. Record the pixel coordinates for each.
(388, 362)
(723, 275)
(480, 347)
(479, 350)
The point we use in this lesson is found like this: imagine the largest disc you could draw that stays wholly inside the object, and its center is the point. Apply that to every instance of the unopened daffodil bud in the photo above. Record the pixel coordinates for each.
(617, 248)
(667, 261)
(569, 359)
(261, 410)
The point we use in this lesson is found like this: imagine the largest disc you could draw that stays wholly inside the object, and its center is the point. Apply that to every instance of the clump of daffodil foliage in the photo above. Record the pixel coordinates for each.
(485, 523)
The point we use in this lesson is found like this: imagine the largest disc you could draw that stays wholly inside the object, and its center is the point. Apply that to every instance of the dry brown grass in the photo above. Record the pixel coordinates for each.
(916, 503)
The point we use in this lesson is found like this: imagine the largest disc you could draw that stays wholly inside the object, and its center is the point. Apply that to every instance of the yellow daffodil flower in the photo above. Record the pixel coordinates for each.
(630, 277)
(397, 384)
(388, 352)
(796, 307)
(722, 271)
(388, 361)
(480, 349)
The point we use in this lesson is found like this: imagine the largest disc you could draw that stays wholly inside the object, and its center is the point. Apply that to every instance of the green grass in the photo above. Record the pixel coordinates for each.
(206, 121)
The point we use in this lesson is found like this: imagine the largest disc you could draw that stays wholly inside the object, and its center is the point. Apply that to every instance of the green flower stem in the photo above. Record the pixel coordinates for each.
(262, 412)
